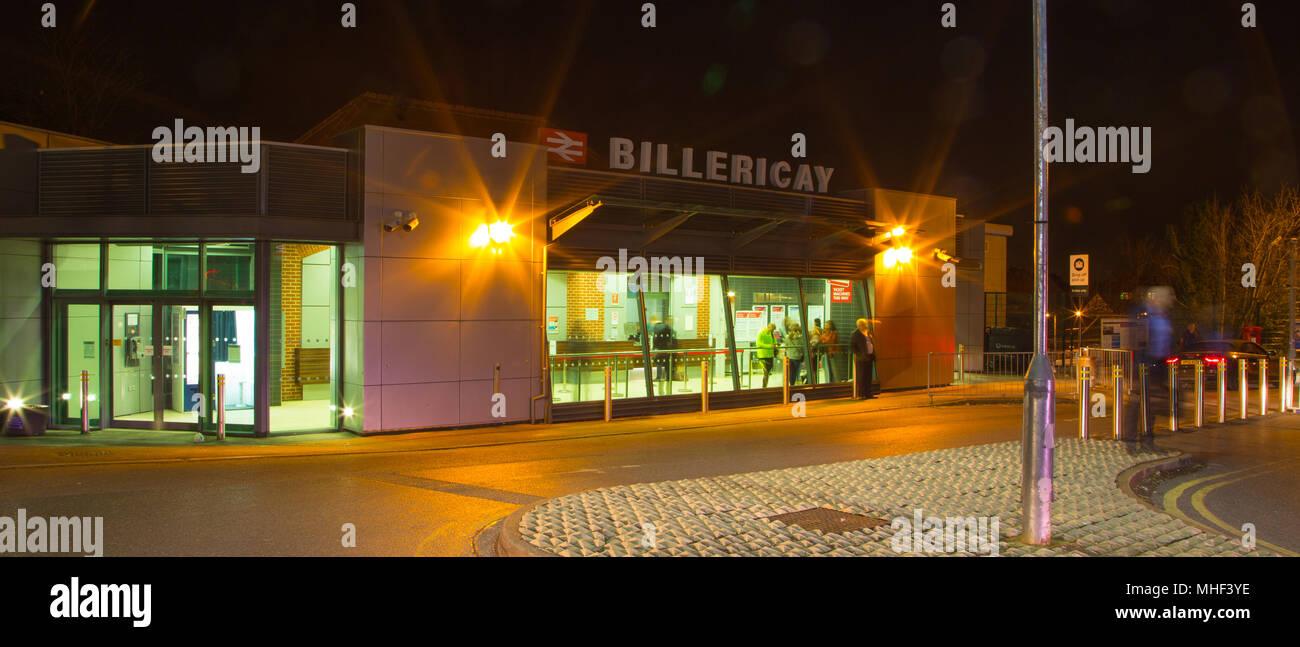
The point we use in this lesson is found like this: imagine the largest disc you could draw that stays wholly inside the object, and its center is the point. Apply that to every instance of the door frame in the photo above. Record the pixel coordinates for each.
(156, 306)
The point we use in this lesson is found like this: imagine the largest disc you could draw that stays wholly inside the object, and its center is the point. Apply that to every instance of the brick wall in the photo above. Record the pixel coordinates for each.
(585, 290)
(291, 256)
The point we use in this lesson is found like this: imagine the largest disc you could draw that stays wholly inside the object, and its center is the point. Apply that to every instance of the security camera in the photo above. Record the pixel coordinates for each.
(411, 223)
(392, 226)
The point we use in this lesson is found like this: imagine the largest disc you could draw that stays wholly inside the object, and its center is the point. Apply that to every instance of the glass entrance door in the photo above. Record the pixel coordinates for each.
(76, 347)
(154, 364)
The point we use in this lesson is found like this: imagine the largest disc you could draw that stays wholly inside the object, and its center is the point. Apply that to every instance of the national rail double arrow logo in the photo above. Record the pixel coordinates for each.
(566, 145)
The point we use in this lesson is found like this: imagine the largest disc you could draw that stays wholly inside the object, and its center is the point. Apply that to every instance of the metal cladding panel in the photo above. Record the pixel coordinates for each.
(679, 192)
(769, 201)
(846, 209)
(93, 182)
(567, 185)
(210, 188)
(840, 267)
(306, 183)
(764, 265)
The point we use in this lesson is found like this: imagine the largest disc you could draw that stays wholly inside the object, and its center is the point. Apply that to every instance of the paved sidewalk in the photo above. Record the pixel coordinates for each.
(70, 447)
(731, 515)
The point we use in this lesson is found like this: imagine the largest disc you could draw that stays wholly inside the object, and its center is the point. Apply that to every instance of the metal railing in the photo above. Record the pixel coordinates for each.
(996, 375)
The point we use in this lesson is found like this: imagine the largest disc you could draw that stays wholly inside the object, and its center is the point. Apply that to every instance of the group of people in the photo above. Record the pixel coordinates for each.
(823, 348)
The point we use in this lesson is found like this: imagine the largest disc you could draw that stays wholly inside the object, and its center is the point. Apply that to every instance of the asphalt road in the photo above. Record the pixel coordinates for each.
(445, 502)
(1249, 473)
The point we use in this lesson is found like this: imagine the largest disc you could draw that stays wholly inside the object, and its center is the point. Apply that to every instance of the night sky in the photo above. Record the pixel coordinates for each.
(884, 93)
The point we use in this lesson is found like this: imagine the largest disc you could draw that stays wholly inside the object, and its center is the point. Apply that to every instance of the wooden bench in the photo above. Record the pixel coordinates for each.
(312, 365)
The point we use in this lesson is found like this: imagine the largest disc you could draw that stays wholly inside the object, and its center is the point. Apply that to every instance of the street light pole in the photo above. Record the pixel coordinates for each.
(1038, 423)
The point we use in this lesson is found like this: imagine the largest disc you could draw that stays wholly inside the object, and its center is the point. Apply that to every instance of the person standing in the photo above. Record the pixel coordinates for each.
(766, 344)
(864, 357)
(814, 351)
(831, 348)
(794, 351)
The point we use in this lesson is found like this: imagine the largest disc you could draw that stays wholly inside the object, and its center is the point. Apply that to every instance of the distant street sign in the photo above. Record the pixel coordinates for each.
(565, 145)
(1079, 271)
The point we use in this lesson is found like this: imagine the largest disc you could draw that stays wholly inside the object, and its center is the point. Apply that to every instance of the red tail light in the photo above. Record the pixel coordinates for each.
(1213, 359)
(1172, 360)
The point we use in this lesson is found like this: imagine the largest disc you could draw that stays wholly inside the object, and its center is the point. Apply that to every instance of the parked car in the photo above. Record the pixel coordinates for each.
(1226, 355)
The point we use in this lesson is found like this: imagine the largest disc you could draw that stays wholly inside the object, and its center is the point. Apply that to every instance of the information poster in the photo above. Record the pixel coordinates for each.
(841, 291)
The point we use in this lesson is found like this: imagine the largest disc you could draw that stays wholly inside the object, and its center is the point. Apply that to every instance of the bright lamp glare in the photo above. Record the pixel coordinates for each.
(14, 404)
(891, 257)
(904, 254)
(347, 412)
(480, 237)
(896, 231)
(501, 232)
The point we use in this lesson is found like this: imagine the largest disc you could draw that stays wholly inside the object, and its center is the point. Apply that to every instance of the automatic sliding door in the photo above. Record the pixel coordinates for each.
(178, 356)
(133, 365)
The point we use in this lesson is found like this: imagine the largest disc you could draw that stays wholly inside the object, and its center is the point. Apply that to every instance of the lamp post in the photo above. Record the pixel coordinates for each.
(1038, 423)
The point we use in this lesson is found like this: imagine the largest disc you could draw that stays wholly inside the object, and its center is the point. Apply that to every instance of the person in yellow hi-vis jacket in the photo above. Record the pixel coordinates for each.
(766, 344)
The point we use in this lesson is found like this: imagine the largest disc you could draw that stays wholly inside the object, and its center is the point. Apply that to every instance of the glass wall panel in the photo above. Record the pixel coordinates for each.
(834, 307)
(230, 268)
(76, 266)
(593, 320)
(232, 331)
(303, 319)
(150, 266)
(688, 328)
(769, 326)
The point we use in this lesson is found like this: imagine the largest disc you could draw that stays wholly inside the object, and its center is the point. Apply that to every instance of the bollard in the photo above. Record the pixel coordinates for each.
(1222, 371)
(785, 379)
(961, 362)
(1172, 367)
(1243, 387)
(853, 366)
(704, 386)
(609, 394)
(1263, 387)
(85, 402)
(1200, 393)
(1281, 385)
(1085, 385)
(1119, 402)
(1143, 404)
(221, 407)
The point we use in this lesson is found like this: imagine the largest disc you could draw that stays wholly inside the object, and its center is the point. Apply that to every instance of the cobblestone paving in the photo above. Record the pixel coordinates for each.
(728, 515)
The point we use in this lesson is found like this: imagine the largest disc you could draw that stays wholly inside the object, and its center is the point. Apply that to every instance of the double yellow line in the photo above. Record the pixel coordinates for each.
(1202, 487)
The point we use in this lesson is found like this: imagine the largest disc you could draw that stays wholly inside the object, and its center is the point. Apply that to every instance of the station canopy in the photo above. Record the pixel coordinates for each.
(735, 229)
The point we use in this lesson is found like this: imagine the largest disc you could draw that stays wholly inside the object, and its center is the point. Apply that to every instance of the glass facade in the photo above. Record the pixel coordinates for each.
(834, 307)
(170, 267)
(304, 317)
(158, 325)
(594, 320)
